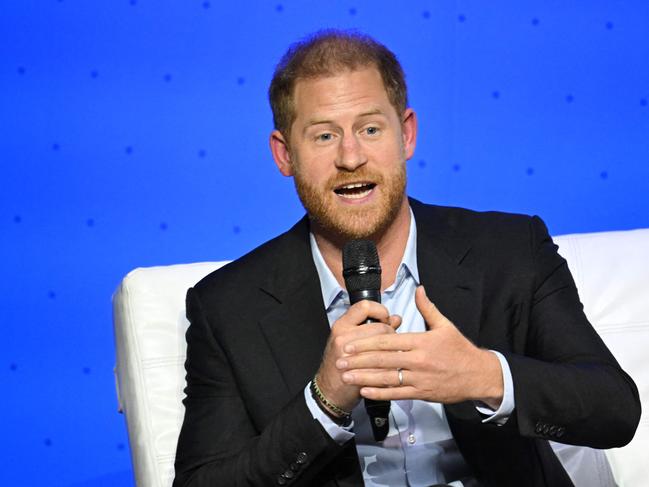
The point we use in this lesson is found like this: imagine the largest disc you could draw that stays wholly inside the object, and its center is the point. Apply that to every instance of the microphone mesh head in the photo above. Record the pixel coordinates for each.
(361, 268)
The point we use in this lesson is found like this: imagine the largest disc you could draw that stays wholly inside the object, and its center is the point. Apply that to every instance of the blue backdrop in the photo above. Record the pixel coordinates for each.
(134, 133)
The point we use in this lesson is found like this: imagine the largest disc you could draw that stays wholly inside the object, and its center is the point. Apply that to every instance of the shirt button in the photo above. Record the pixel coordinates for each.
(411, 439)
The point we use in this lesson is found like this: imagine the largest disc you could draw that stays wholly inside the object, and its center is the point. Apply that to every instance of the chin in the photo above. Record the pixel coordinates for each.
(355, 224)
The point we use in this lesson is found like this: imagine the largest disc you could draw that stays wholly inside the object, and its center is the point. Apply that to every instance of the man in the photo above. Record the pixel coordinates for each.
(481, 344)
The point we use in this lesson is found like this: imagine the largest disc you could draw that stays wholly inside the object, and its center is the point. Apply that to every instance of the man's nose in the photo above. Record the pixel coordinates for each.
(350, 154)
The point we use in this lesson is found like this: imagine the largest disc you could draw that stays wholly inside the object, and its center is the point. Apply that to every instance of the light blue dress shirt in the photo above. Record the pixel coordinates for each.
(419, 449)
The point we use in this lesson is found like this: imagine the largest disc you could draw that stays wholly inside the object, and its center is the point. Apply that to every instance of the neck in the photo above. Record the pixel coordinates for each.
(391, 245)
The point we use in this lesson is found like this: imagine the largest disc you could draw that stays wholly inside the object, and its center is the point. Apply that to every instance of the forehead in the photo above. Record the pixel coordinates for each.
(341, 93)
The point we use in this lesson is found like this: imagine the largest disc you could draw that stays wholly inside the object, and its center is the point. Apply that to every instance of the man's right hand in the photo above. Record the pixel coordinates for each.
(343, 331)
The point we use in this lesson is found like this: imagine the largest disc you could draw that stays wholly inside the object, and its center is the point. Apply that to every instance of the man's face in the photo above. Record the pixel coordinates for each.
(347, 152)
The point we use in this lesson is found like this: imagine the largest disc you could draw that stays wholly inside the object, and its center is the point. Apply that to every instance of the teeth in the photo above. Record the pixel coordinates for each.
(355, 196)
(353, 186)
(354, 191)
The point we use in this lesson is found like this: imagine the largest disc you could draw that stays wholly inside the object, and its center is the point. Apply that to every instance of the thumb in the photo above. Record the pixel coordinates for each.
(432, 316)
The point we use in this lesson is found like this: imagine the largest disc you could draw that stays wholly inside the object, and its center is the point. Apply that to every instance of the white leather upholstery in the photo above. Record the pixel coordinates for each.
(611, 270)
(150, 324)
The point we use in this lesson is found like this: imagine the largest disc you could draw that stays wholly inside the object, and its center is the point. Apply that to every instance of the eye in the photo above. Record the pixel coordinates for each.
(324, 137)
(372, 130)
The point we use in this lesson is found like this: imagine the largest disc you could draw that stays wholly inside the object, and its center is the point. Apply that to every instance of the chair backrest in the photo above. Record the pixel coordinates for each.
(611, 270)
(150, 324)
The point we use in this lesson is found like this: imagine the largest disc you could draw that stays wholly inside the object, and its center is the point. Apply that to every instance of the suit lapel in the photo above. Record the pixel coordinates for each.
(454, 288)
(296, 326)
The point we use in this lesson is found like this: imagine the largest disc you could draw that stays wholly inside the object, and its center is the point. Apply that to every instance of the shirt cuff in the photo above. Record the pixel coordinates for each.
(501, 415)
(340, 434)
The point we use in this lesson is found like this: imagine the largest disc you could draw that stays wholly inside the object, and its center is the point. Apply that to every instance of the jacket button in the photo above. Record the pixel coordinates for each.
(289, 474)
(294, 466)
(281, 480)
(539, 427)
(301, 459)
(561, 431)
(553, 430)
(546, 429)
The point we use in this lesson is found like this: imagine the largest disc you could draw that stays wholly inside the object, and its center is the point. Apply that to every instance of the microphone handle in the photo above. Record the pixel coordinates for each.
(378, 411)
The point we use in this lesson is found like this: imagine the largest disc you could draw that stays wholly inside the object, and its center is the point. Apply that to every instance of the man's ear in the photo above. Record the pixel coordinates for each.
(281, 153)
(409, 132)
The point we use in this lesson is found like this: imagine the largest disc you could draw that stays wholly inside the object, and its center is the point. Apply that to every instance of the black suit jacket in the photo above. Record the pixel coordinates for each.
(258, 329)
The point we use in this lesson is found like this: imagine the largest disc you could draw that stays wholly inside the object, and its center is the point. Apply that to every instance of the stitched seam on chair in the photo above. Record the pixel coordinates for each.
(142, 402)
(165, 458)
(623, 327)
(578, 258)
(574, 264)
(162, 361)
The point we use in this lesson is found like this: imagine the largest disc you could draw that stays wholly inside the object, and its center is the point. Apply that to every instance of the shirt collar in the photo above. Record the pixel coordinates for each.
(330, 288)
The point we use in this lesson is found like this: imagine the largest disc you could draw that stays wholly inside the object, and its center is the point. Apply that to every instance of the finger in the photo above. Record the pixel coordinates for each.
(359, 312)
(395, 321)
(385, 342)
(432, 316)
(390, 393)
(368, 330)
(374, 378)
(374, 360)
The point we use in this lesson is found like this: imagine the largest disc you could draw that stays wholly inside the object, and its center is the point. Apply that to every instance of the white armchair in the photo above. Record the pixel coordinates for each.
(611, 270)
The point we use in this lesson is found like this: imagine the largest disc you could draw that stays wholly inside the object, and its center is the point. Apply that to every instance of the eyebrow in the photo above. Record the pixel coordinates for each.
(376, 111)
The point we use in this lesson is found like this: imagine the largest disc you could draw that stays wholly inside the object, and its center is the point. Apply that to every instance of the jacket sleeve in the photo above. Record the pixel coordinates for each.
(568, 387)
(220, 445)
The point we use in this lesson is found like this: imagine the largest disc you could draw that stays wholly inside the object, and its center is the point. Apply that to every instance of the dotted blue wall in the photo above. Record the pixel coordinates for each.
(134, 133)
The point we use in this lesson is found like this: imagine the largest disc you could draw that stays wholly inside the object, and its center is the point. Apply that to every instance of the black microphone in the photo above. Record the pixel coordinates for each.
(362, 273)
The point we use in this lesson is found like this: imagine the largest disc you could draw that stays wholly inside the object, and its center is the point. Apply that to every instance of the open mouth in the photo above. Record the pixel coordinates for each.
(355, 190)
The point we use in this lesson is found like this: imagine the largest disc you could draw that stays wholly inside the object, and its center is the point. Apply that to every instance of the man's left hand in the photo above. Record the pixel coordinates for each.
(438, 365)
